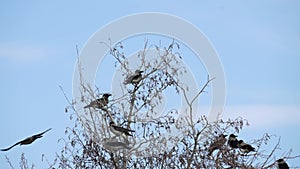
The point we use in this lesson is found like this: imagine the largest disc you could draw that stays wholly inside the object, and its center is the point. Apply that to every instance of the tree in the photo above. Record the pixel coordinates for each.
(195, 144)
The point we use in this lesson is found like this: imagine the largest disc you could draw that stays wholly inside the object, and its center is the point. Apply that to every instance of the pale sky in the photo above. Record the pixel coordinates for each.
(258, 44)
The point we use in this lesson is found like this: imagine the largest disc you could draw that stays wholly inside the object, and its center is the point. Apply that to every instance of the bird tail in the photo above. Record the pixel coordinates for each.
(126, 82)
(87, 106)
(130, 130)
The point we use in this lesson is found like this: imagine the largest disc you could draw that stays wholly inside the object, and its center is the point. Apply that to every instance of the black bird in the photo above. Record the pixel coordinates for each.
(135, 78)
(114, 145)
(217, 144)
(99, 103)
(232, 141)
(119, 131)
(281, 164)
(244, 147)
(27, 140)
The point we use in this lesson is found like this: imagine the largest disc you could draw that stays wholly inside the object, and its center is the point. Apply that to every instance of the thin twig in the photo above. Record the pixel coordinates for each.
(8, 161)
(65, 95)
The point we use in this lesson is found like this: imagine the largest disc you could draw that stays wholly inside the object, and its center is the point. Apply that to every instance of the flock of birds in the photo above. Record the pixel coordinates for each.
(119, 131)
(97, 104)
(234, 143)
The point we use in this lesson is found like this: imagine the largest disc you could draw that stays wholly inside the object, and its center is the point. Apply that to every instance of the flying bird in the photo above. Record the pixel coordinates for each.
(244, 147)
(27, 140)
(114, 145)
(99, 103)
(217, 144)
(281, 164)
(135, 78)
(232, 141)
(119, 131)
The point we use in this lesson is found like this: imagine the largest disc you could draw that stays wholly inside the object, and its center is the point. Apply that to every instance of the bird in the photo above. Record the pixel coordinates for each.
(119, 131)
(244, 147)
(232, 141)
(99, 103)
(27, 140)
(217, 144)
(114, 145)
(281, 164)
(135, 78)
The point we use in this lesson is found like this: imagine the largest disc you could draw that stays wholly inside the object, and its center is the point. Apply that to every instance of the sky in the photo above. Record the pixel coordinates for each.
(258, 43)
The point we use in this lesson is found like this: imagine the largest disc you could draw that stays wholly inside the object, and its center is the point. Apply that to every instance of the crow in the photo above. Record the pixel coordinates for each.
(135, 78)
(217, 144)
(119, 131)
(244, 147)
(27, 140)
(99, 103)
(281, 164)
(232, 141)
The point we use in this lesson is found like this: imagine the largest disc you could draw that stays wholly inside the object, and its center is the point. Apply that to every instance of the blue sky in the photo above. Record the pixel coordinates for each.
(258, 44)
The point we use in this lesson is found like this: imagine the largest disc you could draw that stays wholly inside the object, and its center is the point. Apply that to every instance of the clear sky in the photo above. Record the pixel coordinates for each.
(258, 43)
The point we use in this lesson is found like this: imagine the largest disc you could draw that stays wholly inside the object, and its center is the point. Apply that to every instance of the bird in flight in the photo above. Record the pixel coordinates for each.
(119, 131)
(244, 147)
(232, 141)
(27, 140)
(99, 103)
(135, 78)
(281, 164)
(217, 143)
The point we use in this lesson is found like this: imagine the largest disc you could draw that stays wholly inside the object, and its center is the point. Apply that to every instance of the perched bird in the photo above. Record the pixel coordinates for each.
(114, 145)
(244, 147)
(99, 103)
(119, 131)
(217, 144)
(135, 78)
(281, 164)
(27, 140)
(232, 141)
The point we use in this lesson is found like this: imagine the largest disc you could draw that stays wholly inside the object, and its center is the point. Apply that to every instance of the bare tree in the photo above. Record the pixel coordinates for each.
(151, 142)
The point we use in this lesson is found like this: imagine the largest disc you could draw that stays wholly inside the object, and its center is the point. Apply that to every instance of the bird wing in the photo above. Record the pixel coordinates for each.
(216, 144)
(136, 76)
(31, 139)
(247, 147)
(87, 106)
(92, 103)
(41, 134)
(133, 77)
(103, 101)
(118, 128)
(233, 143)
(284, 166)
(129, 79)
(6, 149)
(97, 103)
